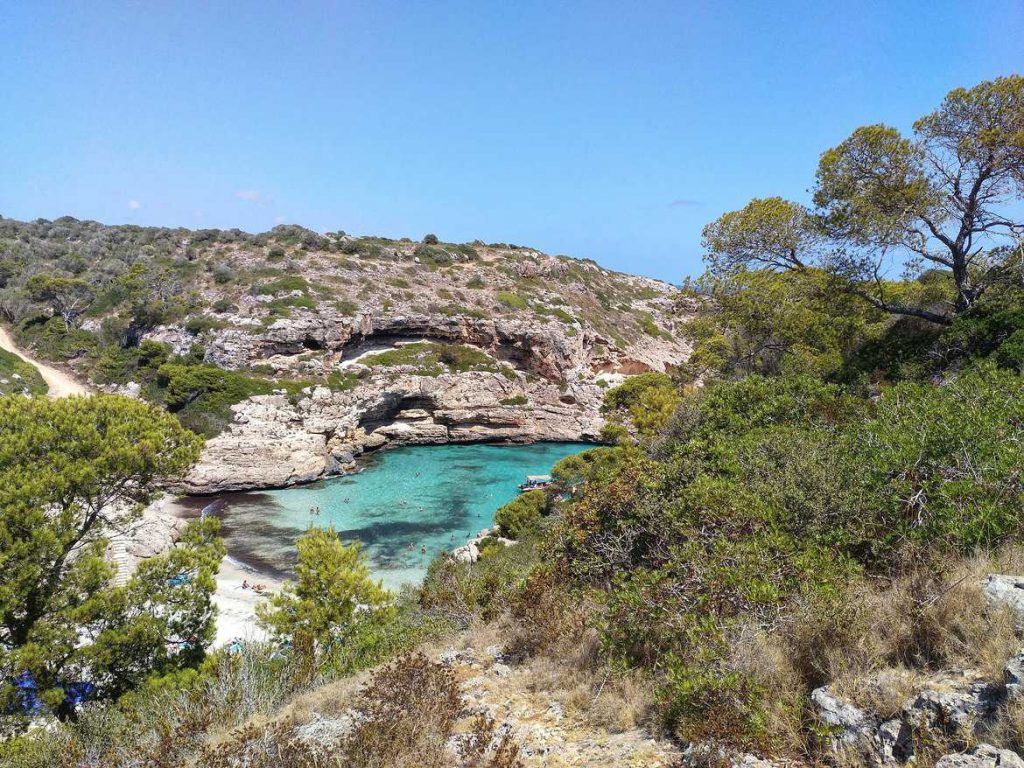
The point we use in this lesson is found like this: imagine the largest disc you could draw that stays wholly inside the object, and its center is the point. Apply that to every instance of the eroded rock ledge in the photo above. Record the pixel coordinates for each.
(546, 383)
(274, 442)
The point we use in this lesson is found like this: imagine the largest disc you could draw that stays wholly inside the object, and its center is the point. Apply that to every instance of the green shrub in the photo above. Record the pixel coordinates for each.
(433, 358)
(461, 593)
(282, 285)
(945, 462)
(522, 515)
(222, 273)
(648, 326)
(647, 401)
(512, 300)
(52, 340)
(432, 254)
(17, 376)
(283, 305)
(201, 323)
(115, 365)
(1011, 352)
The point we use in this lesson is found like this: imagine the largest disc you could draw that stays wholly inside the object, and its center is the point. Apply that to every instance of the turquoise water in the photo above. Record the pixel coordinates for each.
(408, 505)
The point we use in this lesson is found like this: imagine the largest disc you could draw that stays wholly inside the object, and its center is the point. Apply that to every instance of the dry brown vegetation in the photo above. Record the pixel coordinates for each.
(925, 628)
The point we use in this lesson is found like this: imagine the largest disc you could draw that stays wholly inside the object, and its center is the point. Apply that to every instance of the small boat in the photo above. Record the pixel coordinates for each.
(536, 482)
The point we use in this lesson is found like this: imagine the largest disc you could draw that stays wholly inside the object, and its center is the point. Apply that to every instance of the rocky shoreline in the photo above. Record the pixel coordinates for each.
(274, 442)
(540, 384)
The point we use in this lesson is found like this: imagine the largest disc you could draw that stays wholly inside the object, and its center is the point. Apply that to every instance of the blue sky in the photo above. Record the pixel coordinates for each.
(613, 131)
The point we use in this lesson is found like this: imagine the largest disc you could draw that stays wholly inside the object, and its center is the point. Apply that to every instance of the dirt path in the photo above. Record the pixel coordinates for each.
(59, 383)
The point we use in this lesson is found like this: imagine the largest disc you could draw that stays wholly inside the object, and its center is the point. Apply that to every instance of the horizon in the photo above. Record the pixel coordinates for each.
(592, 133)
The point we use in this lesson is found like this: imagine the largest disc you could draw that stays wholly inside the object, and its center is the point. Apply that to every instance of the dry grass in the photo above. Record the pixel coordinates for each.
(928, 619)
(766, 661)
(884, 692)
(880, 646)
(404, 716)
(330, 699)
(1008, 729)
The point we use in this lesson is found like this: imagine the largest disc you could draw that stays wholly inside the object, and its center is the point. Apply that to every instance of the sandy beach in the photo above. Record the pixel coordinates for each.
(236, 605)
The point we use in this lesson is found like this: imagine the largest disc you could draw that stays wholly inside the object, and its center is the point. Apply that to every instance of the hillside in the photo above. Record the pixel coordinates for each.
(316, 347)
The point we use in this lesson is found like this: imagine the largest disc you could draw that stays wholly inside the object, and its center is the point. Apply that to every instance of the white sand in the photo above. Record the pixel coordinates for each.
(236, 607)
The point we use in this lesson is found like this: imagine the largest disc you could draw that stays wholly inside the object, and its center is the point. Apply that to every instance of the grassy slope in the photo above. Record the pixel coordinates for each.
(17, 376)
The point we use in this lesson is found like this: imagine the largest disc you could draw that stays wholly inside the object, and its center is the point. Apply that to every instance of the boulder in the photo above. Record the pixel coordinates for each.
(1005, 589)
(849, 723)
(1013, 676)
(982, 756)
(952, 711)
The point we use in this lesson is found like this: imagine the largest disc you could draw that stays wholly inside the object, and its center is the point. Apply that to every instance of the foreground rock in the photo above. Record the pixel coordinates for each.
(948, 708)
(982, 756)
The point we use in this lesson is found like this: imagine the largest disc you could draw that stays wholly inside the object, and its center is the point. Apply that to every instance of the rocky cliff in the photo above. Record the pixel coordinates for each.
(529, 382)
(295, 351)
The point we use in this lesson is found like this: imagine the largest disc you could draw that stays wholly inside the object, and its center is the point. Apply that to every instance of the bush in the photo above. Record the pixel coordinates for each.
(430, 239)
(945, 462)
(431, 254)
(199, 324)
(512, 300)
(52, 340)
(283, 285)
(433, 358)
(223, 273)
(646, 401)
(461, 593)
(17, 376)
(522, 515)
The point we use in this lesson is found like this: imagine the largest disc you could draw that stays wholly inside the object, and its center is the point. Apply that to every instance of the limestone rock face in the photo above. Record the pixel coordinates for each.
(274, 442)
(267, 446)
(982, 756)
(543, 382)
(850, 723)
(544, 348)
(1008, 590)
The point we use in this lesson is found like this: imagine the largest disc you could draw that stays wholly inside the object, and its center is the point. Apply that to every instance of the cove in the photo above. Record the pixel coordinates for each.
(407, 505)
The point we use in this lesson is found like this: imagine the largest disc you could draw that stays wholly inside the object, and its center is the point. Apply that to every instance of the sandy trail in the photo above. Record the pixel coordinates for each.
(59, 383)
(236, 604)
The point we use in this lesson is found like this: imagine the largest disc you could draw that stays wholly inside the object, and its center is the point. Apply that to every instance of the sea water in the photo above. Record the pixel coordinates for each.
(405, 507)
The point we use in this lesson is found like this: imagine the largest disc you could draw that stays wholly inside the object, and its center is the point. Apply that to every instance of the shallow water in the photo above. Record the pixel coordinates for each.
(408, 505)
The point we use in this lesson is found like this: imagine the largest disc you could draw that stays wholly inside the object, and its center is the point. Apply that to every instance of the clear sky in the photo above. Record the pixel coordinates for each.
(608, 130)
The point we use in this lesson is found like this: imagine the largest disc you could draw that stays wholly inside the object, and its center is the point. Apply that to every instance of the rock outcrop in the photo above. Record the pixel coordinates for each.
(543, 380)
(982, 756)
(274, 442)
(947, 708)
